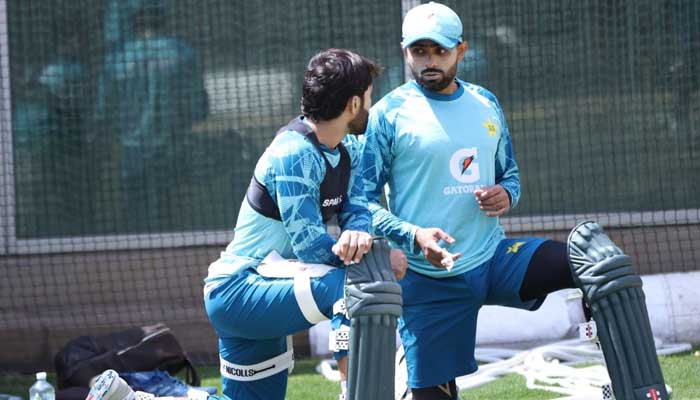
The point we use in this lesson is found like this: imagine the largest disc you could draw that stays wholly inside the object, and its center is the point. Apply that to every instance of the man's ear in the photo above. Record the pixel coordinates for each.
(461, 49)
(354, 104)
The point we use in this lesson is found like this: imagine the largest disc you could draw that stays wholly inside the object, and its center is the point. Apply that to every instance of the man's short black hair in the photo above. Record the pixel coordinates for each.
(332, 77)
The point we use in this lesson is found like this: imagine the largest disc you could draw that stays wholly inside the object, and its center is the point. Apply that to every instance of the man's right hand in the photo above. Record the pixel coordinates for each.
(351, 246)
(427, 239)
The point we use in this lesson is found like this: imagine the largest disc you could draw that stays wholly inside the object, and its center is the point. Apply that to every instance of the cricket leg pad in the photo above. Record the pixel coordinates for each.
(373, 302)
(614, 293)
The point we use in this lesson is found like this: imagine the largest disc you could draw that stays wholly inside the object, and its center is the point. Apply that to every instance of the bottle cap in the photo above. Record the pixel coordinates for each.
(41, 376)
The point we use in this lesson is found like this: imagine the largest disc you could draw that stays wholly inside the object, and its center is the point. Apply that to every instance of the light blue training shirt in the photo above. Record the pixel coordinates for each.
(292, 169)
(433, 151)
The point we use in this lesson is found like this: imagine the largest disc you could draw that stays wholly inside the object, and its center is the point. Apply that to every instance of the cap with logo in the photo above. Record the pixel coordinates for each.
(432, 21)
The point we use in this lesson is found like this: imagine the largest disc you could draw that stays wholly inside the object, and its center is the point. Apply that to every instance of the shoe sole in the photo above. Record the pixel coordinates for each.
(109, 386)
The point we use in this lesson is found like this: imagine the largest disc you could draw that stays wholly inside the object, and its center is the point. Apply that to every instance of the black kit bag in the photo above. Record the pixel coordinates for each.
(146, 348)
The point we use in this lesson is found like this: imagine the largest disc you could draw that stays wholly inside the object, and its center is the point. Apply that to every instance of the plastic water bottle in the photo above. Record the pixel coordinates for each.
(41, 389)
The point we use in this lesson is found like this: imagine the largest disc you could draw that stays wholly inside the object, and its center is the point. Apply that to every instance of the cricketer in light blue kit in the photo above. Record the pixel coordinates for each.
(442, 148)
(309, 176)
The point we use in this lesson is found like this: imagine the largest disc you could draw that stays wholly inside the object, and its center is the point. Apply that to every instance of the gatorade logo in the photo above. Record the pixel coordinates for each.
(463, 166)
(466, 163)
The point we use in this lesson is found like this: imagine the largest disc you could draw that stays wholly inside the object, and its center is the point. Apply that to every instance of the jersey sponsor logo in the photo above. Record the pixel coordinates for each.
(515, 247)
(491, 128)
(460, 189)
(245, 372)
(332, 202)
(466, 163)
(463, 167)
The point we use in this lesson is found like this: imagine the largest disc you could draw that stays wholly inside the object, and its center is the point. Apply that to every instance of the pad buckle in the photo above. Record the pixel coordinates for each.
(588, 331)
(339, 339)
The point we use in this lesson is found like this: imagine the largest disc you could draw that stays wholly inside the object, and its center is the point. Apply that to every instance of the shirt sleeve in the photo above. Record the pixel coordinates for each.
(377, 159)
(507, 173)
(354, 214)
(296, 178)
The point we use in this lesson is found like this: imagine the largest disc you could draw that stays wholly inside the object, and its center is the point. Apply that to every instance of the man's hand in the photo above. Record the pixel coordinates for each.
(493, 199)
(427, 239)
(352, 245)
(398, 263)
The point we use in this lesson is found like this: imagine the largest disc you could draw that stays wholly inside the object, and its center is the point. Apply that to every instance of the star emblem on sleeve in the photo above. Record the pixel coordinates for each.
(491, 128)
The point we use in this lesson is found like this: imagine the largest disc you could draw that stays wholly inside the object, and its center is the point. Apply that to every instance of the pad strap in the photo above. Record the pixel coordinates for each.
(338, 339)
(339, 308)
(305, 299)
(588, 331)
(261, 370)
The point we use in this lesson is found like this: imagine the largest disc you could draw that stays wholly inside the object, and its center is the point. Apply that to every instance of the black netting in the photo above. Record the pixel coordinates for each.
(130, 129)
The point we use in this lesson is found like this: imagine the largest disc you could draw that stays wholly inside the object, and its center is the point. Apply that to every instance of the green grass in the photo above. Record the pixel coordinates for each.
(682, 372)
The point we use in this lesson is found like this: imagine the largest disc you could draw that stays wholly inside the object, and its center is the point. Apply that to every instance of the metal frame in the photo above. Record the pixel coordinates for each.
(7, 195)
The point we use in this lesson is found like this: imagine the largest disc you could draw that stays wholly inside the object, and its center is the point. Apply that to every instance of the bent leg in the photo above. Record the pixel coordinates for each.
(251, 306)
(252, 316)
(507, 270)
(547, 271)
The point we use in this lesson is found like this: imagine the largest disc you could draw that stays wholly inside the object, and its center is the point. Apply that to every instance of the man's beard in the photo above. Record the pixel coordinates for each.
(358, 125)
(436, 85)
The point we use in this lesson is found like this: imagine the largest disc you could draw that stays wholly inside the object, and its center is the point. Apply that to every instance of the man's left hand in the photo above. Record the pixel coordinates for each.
(493, 199)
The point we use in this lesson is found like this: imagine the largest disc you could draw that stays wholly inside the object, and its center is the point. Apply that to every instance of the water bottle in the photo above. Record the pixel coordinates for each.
(41, 389)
